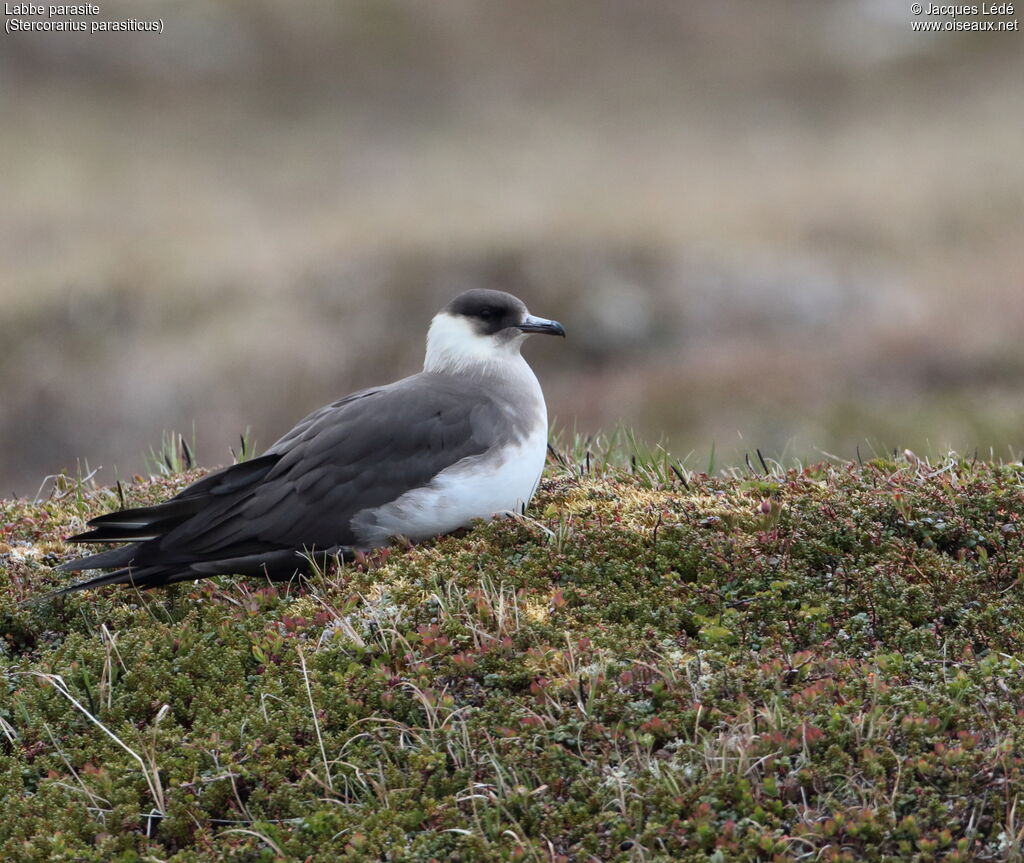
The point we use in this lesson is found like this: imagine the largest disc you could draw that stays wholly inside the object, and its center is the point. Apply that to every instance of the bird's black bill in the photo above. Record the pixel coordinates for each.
(541, 325)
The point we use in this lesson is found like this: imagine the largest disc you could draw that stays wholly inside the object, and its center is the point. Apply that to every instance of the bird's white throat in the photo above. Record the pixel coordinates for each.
(454, 346)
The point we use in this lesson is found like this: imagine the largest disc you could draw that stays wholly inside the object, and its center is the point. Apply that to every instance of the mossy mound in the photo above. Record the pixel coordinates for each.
(814, 664)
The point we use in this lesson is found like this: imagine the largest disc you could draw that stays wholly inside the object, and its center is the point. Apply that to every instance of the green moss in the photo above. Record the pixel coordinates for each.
(820, 663)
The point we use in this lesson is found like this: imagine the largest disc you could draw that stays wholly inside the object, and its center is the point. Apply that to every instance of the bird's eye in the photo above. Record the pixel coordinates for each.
(486, 314)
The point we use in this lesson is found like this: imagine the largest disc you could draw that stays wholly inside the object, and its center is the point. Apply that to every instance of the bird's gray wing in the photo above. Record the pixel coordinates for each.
(359, 452)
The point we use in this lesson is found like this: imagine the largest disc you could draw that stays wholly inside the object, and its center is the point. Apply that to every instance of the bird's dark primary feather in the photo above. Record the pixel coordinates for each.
(261, 516)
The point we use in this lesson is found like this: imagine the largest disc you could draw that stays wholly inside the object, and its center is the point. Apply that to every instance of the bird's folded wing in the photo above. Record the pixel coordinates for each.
(358, 453)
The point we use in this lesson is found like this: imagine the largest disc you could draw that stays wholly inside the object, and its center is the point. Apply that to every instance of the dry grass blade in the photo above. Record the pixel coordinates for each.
(149, 770)
(316, 721)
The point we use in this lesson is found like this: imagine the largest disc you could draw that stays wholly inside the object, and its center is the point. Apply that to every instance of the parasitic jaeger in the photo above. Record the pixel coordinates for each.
(464, 439)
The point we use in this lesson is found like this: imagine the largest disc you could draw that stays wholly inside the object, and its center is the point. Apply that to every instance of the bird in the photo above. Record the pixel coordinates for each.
(464, 439)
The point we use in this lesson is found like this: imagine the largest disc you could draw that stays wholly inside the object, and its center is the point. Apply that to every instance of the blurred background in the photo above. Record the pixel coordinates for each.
(797, 226)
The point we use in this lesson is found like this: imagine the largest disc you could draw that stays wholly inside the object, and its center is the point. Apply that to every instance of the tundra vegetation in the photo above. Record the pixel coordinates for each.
(818, 662)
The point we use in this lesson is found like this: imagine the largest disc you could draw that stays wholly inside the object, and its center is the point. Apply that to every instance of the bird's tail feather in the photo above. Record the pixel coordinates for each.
(278, 565)
(135, 525)
(117, 557)
(119, 576)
